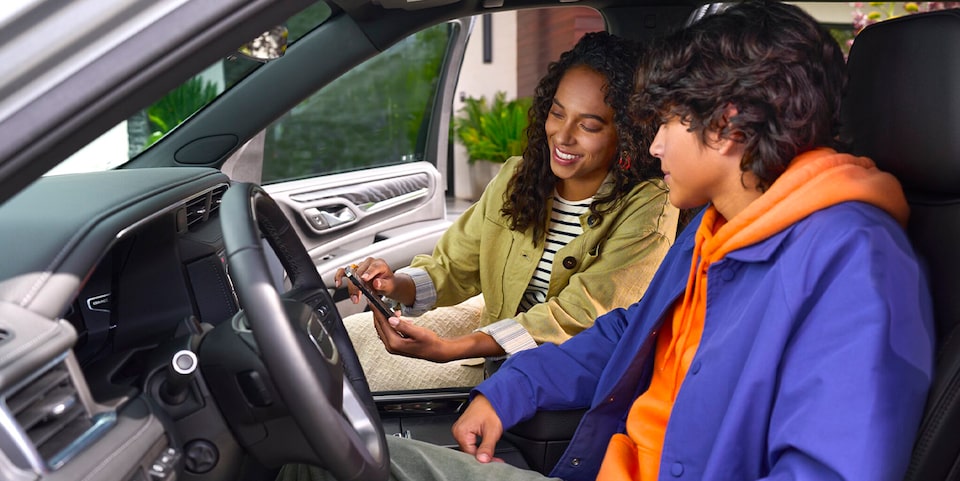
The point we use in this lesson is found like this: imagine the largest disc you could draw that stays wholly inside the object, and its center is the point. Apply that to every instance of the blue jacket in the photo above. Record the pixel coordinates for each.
(814, 363)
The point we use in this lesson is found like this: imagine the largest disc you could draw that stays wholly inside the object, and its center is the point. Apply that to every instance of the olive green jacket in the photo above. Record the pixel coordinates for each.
(608, 266)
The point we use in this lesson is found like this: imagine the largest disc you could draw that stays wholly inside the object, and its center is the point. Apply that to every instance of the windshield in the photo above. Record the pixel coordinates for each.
(134, 135)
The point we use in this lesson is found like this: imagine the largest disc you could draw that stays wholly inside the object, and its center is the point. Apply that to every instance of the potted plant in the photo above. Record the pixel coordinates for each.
(491, 132)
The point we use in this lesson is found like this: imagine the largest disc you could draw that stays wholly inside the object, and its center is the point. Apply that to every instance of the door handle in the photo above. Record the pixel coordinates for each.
(330, 217)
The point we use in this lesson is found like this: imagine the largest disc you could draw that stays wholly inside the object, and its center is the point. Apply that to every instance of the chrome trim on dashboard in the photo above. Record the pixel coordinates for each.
(102, 423)
(102, 418)
(413, 397)
(8, 422)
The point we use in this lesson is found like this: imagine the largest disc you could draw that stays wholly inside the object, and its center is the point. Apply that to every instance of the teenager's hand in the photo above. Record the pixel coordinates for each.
(478, 430)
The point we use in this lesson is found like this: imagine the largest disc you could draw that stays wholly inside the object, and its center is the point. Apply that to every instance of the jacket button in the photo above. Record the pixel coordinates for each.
(676, 470)
(727, 274)
(569, 262)
(593, 220)
(575, 462)
(695, 367)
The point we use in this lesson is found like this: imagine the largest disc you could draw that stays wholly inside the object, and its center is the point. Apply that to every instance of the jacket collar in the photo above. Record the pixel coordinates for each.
(759, 252)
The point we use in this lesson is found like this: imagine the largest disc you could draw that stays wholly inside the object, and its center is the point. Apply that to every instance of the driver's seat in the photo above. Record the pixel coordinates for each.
(903, 111)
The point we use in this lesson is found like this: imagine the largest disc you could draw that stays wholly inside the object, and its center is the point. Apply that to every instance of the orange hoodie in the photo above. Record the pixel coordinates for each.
(814, 180)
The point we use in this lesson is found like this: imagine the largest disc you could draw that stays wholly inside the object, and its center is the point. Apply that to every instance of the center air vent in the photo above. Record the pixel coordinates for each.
(50, 412)
(197, 209)
(203, 207)
(216, 197)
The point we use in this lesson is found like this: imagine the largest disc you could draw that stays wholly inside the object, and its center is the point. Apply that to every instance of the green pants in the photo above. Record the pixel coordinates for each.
(412, 460)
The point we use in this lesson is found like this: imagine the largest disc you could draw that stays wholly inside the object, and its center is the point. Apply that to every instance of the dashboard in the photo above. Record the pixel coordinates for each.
(169, 270)
(102, 274)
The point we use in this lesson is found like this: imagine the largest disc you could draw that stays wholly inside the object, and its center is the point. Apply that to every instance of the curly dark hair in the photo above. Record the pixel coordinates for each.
(525, 200)
(772, 61)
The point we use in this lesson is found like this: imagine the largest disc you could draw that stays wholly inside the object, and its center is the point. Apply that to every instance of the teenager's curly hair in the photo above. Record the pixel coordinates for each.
(782, 72)
(525, 202)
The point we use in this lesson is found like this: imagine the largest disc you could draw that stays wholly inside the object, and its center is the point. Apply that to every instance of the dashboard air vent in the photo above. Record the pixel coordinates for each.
(203, 207)
(197, 209)
(50, 412)
(216, 197)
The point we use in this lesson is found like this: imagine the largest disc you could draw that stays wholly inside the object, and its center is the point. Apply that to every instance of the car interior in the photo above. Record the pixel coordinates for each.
(174, 317)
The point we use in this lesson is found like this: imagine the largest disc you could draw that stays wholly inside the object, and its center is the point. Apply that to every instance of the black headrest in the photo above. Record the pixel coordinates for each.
(902, 107)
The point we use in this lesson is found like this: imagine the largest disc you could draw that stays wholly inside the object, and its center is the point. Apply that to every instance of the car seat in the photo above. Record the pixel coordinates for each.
(903, 98)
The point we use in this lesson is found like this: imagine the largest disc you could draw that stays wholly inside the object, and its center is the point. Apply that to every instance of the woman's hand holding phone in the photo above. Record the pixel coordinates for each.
(373, 300)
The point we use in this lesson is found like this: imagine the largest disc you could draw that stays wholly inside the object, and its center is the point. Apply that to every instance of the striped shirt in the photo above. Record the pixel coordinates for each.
(510, 335)
(564, 227)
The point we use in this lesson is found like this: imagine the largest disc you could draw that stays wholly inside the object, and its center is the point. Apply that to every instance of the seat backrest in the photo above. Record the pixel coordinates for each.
(902, 109)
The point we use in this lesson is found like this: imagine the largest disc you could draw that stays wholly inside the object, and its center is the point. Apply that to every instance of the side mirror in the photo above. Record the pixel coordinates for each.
(269, 45)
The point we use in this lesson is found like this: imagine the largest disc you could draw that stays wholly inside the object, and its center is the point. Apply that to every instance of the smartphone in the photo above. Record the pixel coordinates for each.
(373, 299)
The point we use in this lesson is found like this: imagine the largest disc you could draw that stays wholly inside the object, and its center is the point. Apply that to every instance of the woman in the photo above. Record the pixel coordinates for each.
(574, 228)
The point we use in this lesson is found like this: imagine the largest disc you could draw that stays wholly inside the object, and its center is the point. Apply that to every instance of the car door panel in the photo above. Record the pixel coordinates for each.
(393, 212)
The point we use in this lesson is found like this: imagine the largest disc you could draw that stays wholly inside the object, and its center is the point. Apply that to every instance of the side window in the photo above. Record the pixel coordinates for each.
(374, 115)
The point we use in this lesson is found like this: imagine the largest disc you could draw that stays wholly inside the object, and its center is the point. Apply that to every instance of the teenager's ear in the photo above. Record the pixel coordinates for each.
(731, 144)
(730, 147)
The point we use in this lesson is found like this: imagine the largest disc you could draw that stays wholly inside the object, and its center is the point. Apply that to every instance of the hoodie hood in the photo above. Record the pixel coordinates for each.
(813, 181)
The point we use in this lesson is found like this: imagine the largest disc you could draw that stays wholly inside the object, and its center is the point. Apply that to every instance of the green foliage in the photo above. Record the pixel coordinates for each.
(493, 131)
(171, 110)
(374, 115)
(844, 37)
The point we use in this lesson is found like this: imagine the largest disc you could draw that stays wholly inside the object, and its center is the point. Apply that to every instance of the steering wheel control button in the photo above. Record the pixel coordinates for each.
(200, 456)
(254, 389)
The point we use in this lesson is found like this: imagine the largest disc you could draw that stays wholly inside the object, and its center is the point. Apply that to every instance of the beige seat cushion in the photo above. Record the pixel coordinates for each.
(387, 372)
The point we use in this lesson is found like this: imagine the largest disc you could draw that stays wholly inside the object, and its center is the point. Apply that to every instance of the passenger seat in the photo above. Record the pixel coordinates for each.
(902, 109)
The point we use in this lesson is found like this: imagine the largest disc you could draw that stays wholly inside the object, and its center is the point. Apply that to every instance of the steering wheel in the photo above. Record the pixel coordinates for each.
(309, 355)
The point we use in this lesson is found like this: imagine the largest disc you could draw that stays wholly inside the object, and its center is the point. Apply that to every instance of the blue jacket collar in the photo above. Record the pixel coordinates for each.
(759, 252)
